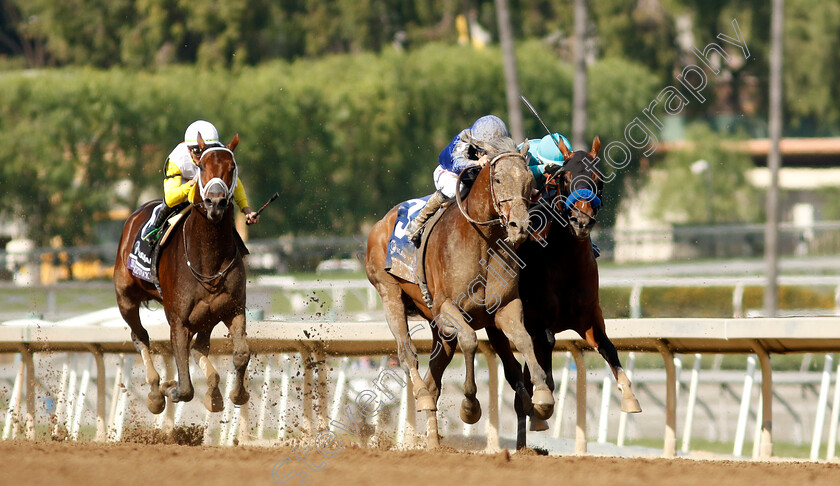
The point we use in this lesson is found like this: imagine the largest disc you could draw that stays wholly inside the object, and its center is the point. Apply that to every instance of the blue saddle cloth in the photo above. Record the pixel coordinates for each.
(401, 258)
(140, 259)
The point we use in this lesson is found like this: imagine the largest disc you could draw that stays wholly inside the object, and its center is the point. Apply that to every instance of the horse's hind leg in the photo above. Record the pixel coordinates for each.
(596, 336)
(131, 313)
(241, 355)
(397, 322)
(440, 360)
(213, 400)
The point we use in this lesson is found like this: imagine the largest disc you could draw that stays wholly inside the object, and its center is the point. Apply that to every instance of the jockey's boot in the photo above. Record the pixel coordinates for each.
(163, 214)
(415, 228)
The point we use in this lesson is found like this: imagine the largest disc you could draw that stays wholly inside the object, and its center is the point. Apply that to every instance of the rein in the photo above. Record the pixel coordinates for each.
(198, 275)
(502, 219)
(202, 192)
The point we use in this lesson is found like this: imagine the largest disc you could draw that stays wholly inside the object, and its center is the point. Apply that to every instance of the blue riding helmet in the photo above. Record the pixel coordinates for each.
(547, 151)
(489, 127)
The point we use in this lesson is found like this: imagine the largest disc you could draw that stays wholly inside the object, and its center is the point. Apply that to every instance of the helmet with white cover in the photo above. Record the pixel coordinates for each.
(206, 129)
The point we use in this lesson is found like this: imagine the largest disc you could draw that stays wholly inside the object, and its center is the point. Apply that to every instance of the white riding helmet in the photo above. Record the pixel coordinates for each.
(206, 129)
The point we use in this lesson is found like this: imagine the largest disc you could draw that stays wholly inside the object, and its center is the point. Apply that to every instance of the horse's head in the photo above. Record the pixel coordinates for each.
(580, 186)
(217, 176)
(511, 186)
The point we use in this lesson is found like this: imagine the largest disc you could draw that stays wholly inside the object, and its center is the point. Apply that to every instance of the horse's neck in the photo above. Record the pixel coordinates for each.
(210, 243)
(479, 202)
(561, 241)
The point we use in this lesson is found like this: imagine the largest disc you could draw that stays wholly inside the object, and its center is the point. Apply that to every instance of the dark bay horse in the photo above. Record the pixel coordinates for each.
(559, 283)
(202, 282)
(472, 274)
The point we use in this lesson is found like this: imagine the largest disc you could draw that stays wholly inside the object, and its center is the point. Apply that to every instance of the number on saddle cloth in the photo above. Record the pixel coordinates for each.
(401, 257)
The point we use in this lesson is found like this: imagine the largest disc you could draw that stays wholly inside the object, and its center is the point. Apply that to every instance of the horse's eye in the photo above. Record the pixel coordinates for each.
(497, 180)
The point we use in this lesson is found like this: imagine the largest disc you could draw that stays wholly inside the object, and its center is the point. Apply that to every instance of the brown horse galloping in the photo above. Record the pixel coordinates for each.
(202, 282)
(472, 275)
(559, 284)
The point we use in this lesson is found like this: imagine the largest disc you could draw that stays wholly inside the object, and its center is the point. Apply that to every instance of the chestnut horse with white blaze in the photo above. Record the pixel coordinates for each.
(472, 242)
(202, 283)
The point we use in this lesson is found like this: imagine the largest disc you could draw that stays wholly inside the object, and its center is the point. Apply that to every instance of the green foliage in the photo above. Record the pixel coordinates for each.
(711, 177)
(342, 139)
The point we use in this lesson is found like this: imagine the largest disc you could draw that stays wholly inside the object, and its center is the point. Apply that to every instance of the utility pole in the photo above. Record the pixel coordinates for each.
(509, 62)
(579, 93)
(774, 161)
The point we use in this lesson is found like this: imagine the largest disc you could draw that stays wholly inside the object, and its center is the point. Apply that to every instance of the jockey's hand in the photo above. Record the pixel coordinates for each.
(251, 217)
(483, 160)
(552, 169)
(191, 182)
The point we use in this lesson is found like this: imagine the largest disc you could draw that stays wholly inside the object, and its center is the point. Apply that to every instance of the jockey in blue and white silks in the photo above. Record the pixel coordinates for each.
(453, 160)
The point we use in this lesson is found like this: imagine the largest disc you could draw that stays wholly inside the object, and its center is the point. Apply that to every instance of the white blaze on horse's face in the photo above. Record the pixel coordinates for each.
(221, 173)
(512, 186)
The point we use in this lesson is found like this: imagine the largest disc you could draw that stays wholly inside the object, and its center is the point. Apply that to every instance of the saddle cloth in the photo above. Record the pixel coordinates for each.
(401, 258)
(140, 259)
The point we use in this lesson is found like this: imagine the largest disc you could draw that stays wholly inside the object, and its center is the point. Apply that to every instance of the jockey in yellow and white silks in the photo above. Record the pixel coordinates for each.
(181, 169)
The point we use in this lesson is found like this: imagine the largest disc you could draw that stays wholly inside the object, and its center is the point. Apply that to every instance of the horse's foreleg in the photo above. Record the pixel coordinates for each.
(543, 348)
(213, 400)
(509, 321)
(181, 390)
(596, 336)
(516, 380)
(241, 355)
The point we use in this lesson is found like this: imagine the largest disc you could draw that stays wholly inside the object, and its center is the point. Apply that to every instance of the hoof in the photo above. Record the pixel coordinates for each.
(470, 411)
(166, 386)
(426, 402)
(155, 403)
(543, 403)
(240, 398)
(630, 405)
(213, 401)
(538, 425)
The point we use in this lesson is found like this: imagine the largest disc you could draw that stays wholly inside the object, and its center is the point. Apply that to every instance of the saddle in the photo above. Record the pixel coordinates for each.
(404, 259)
(142, 261)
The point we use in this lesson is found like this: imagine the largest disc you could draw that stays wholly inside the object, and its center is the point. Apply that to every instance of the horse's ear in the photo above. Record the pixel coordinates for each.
(524, 150)
(201, 144)
(596, 146)
(233, 143)
(567, 154)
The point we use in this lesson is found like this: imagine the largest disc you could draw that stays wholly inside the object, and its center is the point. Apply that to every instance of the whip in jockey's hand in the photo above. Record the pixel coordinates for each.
(251, 217)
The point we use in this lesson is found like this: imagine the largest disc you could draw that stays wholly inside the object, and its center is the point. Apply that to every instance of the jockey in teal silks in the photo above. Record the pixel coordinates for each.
(453, 160)
(544, 156)
(545, 159)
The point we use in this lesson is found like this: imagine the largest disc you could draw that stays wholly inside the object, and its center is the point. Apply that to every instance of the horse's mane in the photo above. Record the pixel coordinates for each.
(500, 145)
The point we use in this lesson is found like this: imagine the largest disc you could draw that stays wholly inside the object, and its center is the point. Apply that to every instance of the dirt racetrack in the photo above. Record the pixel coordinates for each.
(126, 464)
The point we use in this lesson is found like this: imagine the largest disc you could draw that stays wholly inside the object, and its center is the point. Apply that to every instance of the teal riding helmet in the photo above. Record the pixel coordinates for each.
(546, 150)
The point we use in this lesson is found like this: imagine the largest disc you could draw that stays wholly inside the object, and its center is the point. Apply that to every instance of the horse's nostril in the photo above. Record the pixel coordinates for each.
(513, 224)
(208, 201)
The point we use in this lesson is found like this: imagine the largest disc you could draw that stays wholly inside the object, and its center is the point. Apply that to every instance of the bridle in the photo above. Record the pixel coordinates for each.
(502, 219)
(202, 188)
(574, 196)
